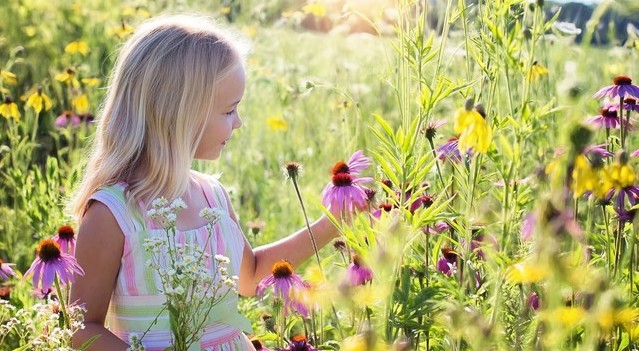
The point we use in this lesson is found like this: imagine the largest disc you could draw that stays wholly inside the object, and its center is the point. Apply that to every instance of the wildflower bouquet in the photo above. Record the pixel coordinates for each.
(190, 281)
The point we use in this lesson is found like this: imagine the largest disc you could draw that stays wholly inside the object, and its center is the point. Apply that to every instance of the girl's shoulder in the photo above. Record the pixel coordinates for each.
(113, 196)
(212, 182)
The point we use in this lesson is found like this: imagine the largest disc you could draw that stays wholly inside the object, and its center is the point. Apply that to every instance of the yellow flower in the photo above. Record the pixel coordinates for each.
(526, 273)
(474, 131)
(584, 177)
(30, 31)
(68, 76)
(569, 317)
(78, 46)
(619, 176)
(8, 77)
(250, 31)
(38, 100)
(91, 82)
(225, 10)
(361, 342)
(9, 109)
(276, 123)
(536, 71)
(122, 31)
(318, 10)
(80, 104)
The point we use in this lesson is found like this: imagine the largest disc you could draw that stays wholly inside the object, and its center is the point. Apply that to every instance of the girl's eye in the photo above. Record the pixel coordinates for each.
(230, 112)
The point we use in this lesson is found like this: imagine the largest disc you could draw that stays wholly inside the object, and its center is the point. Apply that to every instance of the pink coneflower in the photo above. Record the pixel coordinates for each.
(528, 226)
(6, 270)
(299, 343)
(358, 273)
(622, 87)
(66, 239)
(437, 228)
(51, 262)
(447, 264)
(345, 193)
(67, 118)
(533, 301)
(599, 150)
(423, 201)
(284, 280)
(607, 118)
(358, 162)
(382, 208)
(257, 344)
(635, 153)
(629, 104)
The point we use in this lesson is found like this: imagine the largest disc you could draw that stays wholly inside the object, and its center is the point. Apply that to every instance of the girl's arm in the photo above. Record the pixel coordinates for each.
(98, 251)
(296, 248)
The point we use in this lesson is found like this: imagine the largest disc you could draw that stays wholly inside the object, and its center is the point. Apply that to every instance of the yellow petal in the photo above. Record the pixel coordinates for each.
(80, 104)
(318, 10)
(78, 46)
(8, 77)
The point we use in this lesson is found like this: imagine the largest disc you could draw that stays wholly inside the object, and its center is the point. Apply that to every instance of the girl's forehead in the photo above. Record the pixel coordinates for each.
(230, 89)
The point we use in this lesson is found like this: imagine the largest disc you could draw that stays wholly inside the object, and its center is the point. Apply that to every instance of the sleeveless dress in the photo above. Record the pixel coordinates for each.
(137, 298)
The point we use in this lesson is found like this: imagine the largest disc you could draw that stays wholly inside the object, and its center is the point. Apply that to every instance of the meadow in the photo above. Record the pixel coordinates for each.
(496, 222)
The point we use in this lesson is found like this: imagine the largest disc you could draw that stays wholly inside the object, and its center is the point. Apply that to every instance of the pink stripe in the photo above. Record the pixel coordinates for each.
(128, 265)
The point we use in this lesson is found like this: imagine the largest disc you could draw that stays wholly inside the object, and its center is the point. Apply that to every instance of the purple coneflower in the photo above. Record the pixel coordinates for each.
(424, 201)
(607, 118)
(533, 301)
(622, 87)
(67, 118)
(437, 228)
(635, 153)
(51, 262)
(358, 162)
(299, 343)
(528, 226)
(66, 239)
(629, 104)
(358, 273)
(284, 280)
(599, 150)
(345, 193)
(6, 270)
(257, 344)
(447, 264)
(450, 151)
(382, 208)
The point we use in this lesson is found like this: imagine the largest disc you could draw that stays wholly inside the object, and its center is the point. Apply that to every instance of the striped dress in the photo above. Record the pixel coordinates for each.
(137, 298)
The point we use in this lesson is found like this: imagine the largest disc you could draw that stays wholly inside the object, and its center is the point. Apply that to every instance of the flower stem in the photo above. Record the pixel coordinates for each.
(308, 226)
(63, 305)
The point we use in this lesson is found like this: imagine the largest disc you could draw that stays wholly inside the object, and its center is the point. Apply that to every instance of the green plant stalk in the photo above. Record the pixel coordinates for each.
(439, 171)
(623, 125)
(63, 302)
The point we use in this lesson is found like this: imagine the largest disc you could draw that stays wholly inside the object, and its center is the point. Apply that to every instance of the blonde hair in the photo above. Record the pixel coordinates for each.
(160, 93)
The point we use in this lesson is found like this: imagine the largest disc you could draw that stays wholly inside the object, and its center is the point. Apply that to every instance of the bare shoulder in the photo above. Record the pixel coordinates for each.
(99, 229)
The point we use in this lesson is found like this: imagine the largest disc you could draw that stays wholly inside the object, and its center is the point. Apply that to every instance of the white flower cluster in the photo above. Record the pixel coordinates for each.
(164, 213)
(40, 327)
(192, 280)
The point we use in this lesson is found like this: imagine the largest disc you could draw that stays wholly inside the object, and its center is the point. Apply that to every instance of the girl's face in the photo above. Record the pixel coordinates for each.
(219, 126)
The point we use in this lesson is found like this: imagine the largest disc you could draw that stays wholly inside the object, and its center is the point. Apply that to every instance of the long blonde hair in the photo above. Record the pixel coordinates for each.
(160, 93)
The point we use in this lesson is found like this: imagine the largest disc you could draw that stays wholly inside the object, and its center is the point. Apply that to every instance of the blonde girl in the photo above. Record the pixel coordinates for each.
(172, 98)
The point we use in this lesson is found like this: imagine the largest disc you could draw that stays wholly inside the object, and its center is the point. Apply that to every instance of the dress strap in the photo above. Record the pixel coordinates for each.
(115, 200)
(211, 191)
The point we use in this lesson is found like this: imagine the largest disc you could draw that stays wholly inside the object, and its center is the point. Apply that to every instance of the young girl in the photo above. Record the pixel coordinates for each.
(172, 98)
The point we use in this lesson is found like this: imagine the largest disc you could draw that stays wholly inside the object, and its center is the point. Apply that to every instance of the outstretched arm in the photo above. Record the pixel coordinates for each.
(296, 248)
(98, 251)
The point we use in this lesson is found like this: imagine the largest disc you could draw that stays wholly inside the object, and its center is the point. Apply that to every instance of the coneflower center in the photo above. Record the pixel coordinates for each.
(48, 250)
(622, 80)
(386, 207)
(630, 101)
(357, 261)
(607, 113)
(449, 254)
(340, 167)
(66, 232)
(282, 269)
(299, 338)
(342, 179)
